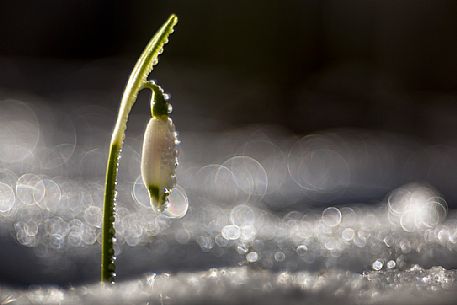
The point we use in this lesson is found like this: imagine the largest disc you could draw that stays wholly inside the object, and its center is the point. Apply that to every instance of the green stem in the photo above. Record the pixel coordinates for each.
(108, 233)
(136, 82)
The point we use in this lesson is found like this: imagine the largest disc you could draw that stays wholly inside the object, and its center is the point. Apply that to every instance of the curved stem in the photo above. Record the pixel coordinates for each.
(159, 105)
(135, 83)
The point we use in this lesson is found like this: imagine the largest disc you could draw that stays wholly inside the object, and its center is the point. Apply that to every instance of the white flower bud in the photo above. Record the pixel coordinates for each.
(159, 159)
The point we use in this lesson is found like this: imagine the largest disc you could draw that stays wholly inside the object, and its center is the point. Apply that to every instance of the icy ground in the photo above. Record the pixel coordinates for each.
(243, 285)
(259, 216)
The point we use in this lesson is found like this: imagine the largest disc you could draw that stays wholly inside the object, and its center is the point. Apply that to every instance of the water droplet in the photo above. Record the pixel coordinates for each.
(248, 233)
(178, 203)
(56, 241)
(19, 131)
(302, 250)
(252, 257)
(182, 236)
(93, 216)
(7, 197)
(280, 256)
(347, 234)
(377, 265)
(231, 232)
(31, 228)
(221, 241)
(249, 175)
(331, 216)
(52, 195)
(242, 249)
(242, 215)
(74, 239)
(206, 243)
(30, 189)
(391, 264)
(140, 193)
(9, 177)
(150, 280)
(316, 164)
(89, 236)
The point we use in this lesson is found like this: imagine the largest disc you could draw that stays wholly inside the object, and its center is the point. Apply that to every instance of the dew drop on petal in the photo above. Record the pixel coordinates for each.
(178, 203)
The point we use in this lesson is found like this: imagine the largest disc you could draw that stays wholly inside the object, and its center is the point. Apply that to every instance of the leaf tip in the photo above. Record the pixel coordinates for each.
(173, 19)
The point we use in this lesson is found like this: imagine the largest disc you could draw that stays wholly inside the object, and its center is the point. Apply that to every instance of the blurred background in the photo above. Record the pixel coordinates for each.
(304, 65)
(374, 82)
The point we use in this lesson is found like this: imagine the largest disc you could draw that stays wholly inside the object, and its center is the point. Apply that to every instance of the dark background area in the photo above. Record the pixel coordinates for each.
(304, 65)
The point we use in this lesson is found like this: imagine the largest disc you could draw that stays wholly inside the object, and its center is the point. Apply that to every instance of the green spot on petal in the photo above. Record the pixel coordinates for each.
(157, 197)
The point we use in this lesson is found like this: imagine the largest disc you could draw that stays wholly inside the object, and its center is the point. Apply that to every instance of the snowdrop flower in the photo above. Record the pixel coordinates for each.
(159, 151)
(159, 159)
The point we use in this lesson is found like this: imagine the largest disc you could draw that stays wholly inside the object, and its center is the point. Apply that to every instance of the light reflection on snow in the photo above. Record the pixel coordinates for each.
(243, 286)
(260, 202)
